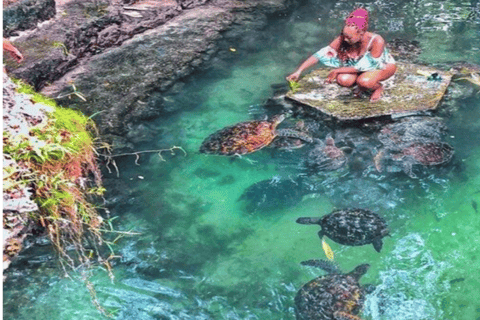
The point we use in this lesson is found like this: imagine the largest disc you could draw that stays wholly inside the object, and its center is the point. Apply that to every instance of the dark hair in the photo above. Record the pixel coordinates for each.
(343, 49)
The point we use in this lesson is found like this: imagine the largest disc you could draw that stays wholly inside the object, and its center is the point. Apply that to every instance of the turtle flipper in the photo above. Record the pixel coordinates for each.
(341, 315)
(321, 234)
(377, 244)
(408, 169)
(378, 161)
(325, 265)
(291, 133)
(307, 220)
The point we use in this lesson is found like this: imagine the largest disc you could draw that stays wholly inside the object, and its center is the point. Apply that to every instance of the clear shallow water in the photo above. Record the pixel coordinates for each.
(201, 255)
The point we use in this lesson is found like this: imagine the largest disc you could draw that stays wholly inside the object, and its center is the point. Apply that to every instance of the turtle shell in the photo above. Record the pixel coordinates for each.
(429, 154)
(242, 138)
(326, 296)
(326, 156)
(354, 227)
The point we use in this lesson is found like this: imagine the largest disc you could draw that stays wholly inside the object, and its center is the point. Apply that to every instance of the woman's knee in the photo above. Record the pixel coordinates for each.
(367, 81)
(346, 80)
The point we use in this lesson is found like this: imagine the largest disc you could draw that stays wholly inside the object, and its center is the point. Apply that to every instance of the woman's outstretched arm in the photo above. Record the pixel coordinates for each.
(311, 61)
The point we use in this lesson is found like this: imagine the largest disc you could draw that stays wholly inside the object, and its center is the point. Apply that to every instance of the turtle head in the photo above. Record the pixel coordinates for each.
(360, 270)
(278, 118)
(330, 142)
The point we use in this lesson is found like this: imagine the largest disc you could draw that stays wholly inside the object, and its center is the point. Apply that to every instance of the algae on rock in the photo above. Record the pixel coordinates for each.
(407, 91)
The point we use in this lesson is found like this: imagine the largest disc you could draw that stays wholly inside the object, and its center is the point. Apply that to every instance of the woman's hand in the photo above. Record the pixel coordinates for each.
(294, 76)
(332, 76)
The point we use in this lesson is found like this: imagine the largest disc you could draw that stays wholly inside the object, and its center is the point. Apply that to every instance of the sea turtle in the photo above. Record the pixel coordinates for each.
(404, 50)
(286, 142)
(399, 134)
(247, 137)
(426, 154)
(274, 193)
(335, 296)
(353, 227)
(326, 156)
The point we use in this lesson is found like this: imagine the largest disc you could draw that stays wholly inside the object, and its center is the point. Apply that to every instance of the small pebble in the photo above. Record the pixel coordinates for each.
(454, 234)
(141, 177)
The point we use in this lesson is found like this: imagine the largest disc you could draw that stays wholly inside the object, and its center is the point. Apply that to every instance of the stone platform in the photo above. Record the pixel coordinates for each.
(408, 91)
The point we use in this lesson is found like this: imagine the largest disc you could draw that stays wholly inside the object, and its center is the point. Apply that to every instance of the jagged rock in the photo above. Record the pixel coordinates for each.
(24, 15)
(126, 75)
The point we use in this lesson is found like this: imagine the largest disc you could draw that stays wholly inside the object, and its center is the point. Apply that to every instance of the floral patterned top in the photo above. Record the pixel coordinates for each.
(328, 57)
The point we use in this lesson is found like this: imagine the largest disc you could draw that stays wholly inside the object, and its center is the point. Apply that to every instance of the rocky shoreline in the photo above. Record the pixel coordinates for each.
(123, 56)
(19, 116)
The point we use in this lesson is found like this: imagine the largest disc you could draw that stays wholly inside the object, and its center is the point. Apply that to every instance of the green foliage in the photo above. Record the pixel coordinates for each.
(294, 86)
(35, 96)
(58, 44)
(66, 122)
(55, 157)
(99, 191)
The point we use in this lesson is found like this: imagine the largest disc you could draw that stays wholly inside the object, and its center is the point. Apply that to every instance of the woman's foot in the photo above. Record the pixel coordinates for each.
(357, 92)
(377, 94)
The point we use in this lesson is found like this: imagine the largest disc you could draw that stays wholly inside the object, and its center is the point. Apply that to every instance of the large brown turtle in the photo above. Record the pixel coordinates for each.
(353, 227)
(247, 137)
(335, 296)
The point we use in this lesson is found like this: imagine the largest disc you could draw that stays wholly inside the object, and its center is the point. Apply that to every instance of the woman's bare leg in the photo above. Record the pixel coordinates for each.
(346, 79)
(371, 80)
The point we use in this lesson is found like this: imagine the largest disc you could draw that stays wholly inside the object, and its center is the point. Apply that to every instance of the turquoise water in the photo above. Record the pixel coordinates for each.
(202, 255)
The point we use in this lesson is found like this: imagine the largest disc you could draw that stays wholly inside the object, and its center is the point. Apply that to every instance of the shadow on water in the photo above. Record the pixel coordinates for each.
(218, 236)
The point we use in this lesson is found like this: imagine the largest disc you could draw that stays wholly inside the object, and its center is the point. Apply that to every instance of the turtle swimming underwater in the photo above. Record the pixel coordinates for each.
(287, 142)
(247, 137)
(412, 141)
(335, 296)
(353, 227)
(426, 154)
(326, 156)
(271, 194)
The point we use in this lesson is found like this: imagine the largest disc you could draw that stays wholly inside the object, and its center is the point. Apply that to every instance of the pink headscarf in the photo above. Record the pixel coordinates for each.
(358, 18)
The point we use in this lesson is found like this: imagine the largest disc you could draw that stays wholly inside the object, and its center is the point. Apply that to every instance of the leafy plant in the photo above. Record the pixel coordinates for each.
(294, 86)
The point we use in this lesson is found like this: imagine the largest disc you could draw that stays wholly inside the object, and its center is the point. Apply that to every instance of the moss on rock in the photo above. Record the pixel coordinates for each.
(51, 154)
(410, 90)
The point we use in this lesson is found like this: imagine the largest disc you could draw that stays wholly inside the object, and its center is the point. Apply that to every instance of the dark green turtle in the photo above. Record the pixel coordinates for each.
(353, 227)
(247, 137)
(335, 296)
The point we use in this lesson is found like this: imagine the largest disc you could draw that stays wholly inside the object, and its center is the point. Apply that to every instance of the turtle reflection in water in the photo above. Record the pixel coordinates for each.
(353, 227)
(247, 137)
(335, 296)
(426, 154)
